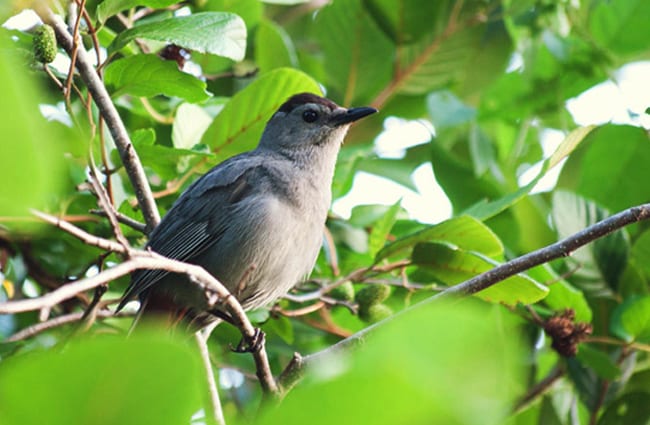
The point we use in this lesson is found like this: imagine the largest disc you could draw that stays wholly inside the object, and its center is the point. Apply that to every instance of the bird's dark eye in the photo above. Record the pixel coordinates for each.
(310, 115)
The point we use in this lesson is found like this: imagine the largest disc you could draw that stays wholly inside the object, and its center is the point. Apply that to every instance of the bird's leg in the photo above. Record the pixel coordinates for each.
(245, 345)
(253, 345)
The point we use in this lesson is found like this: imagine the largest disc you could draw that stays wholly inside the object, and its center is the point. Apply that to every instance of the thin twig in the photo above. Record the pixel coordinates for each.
(115, 124)
(215, 292)
(124, 219)
(557, 250)
(540, 388)
(82, 235)
(55, 322)
(296, 368)
(202, 337)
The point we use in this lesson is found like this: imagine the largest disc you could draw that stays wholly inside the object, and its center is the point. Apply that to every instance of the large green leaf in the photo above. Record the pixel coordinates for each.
(562, 295)
(440, 350)
(239, 125)
(602, 262)
(622, 26)
(108, 8)
(31, 152)
(165, 161)
(219, 33)
(631, 320)
(106, 380)
(149, 75)
(406, 21)
(462, 232)
(273, 47)
(381, 228)
(609, 165)
(356, 52)
(450, 266)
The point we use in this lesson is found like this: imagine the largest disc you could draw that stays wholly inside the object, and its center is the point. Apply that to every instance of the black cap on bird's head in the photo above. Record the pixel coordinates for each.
(339, 115)
(306, 119)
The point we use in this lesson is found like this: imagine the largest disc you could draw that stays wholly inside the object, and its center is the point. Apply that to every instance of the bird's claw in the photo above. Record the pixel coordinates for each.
(252, 345)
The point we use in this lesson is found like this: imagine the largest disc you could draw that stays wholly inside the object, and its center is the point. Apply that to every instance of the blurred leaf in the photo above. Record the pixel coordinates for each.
(591, 172)
(219, 33)
(127, 371)
(630, 408)
(108, 8)
(447, 110)
(165, 161)
(273, 47)
(631, 320)
(405, 21)
(621, 25)
(249, 10)
(428, 384)
(569, 144)
(602, 262)
(381, 229)
(284, 2)
(452, 266)
(149, 75)
(31, 154)
(599, 362)
(562, 295)
(397, 170)
(462, 232)
(355, 51)
(239, 126)
(190, 123)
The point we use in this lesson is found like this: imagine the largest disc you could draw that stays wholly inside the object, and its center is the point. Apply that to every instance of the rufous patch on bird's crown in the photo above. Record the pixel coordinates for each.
(304, 98)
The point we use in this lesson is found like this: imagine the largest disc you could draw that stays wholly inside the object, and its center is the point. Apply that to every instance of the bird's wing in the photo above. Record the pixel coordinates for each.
(198, 218)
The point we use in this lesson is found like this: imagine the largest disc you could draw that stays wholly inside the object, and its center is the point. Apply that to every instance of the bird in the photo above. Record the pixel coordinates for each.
(255, 221)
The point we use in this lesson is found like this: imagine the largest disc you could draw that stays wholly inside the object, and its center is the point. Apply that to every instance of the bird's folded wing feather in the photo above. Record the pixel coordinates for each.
(198, 219)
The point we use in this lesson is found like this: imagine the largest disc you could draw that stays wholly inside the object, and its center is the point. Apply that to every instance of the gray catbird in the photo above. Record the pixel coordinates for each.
(256, 220)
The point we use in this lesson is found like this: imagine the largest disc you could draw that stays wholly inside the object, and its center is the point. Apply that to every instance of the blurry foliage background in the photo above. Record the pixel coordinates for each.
(490, 77)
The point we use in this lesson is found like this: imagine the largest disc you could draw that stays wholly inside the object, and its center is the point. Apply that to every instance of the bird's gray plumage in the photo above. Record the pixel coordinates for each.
(254, 221)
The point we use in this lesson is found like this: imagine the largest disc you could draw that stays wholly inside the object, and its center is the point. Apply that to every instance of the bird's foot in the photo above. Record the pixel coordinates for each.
(250, 345)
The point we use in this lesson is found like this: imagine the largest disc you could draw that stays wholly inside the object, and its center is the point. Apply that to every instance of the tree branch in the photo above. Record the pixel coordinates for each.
(108, 111)
(215, 292)
(297, 366)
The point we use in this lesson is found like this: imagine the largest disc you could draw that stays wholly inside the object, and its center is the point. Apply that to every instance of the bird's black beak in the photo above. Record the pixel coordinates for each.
(351, 115)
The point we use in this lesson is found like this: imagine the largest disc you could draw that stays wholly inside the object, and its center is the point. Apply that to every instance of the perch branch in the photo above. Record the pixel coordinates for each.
(108, 111)
(297, 366)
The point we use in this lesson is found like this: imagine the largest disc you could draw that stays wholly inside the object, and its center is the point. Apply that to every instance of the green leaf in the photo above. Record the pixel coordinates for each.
(273, 47)
(599, 362)
(127, 370)
(621, 26)
(108, 8)
(630, 408)
(462, 232)
(239, 126)
(355, 51)
(601, 262)
(31, 153)
(284, 2)
(190, 123)
(219, 33)
(592, 171)
(569, 144)
(451, 266)
(149, 75)
(631, 320)
(447, 110)
(406, 21)
(165, 161)
(430, 382)
(381, 228)
(562, 295)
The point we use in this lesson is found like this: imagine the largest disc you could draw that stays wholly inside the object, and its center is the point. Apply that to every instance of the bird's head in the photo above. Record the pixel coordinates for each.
(306, 120)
